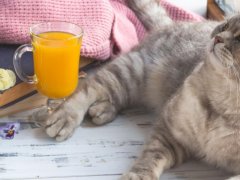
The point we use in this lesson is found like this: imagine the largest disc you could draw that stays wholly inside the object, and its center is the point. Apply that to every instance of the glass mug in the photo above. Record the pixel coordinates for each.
(56, 57)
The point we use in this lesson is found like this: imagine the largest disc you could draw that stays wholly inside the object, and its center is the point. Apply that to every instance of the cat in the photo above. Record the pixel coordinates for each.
(188, 73)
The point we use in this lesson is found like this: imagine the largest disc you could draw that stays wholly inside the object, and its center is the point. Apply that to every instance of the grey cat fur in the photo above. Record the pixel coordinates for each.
(188, 73)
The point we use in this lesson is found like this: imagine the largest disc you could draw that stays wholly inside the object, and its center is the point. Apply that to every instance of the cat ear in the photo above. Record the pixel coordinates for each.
(220, 28)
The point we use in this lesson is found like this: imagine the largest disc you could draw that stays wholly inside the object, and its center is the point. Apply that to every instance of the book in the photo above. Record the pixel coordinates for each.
(23, 96)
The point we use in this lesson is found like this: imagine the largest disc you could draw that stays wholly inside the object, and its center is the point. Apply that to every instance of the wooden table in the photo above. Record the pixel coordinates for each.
(93, 153)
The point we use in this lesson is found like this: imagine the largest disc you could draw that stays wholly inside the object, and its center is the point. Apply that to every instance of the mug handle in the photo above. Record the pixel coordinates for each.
(17, 63)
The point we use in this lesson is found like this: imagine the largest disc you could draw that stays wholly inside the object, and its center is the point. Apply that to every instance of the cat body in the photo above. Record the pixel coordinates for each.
(188, 73)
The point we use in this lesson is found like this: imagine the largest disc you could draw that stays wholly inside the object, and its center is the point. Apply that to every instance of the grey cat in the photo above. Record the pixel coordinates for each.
(188, 73)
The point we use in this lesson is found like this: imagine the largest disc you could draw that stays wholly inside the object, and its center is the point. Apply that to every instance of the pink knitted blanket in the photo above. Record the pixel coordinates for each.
(107, 24)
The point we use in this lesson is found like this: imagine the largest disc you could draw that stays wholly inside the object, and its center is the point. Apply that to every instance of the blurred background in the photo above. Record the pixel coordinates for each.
(197, 6)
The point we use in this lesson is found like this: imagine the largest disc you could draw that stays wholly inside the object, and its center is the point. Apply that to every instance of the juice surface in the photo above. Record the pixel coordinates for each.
(56, 63)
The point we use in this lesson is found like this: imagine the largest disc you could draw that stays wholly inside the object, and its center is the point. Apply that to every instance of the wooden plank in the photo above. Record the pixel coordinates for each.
(34, 101)
(214, 12)
(100, 177)
(16, 92)
(92, 153)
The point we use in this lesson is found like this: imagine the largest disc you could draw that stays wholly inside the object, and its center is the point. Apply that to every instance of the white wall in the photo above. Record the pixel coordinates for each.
(197, 6)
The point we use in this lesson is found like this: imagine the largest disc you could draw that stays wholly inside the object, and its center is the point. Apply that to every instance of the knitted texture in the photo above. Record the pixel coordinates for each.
(110, 27)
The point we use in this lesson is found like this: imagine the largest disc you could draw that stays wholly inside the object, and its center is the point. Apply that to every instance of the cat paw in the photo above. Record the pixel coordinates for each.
(61, 123)
(135, 176)
(102, 112)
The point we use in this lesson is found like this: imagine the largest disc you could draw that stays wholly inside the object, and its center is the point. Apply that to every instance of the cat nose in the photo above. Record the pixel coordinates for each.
(218, 39)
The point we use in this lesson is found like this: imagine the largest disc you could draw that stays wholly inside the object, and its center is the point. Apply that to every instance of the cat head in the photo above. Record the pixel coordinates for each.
(225, 47)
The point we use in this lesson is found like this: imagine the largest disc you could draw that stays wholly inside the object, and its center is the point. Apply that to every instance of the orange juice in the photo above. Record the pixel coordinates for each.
(56, 62)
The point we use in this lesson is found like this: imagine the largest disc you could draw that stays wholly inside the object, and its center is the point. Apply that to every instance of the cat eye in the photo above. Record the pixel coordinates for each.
(237, 38)
(225, 27)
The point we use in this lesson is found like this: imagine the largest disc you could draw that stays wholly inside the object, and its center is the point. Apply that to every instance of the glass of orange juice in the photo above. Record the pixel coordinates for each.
(56, 57)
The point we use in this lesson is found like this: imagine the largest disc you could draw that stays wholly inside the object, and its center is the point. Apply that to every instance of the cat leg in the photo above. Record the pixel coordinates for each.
(114, 87)
(68, 116)
(123, 82)
(160, 153)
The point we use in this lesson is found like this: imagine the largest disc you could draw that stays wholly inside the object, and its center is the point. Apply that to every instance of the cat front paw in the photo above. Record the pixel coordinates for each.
(59, 124)
(135, 176)
(102, 112)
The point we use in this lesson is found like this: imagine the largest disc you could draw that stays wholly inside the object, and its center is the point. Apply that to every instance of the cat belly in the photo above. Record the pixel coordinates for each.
(202, 132)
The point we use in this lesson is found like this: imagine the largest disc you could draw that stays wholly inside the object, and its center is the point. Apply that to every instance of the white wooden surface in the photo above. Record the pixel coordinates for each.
(93, 153)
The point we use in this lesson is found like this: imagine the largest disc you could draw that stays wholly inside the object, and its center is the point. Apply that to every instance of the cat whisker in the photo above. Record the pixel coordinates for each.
(237, 83)
(228, 81)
